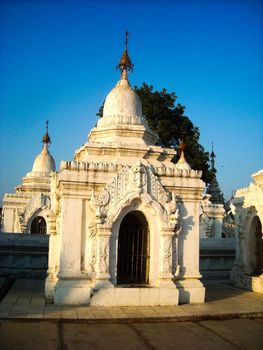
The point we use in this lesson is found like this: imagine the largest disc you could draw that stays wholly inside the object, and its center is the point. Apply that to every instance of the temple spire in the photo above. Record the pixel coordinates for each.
(46, 139)
(125, 63)
(212, 156)
(213, 188)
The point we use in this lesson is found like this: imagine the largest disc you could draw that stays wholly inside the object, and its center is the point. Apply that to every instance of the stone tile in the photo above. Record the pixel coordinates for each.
(243, 333)
(29, 335)
(148, 312)
(9, 299)
(69, 312)
(130, 311)
(39, 301)
(17, 314)
(118, 315)
(260, 320)
(52, 312)
(19, 310)
(85, 313)
(163, 311)
(179, 336)
(102, 314)
(4, 307)
(101, 337)
(117, 312)
(4, 310)
(35, 312)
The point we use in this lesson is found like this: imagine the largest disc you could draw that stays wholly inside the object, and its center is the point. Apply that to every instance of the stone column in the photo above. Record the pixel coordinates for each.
(51, 278)
(214, 213)
(166, 274)
(9, 219)
(218, 214)
(73, 286)
(103, 252)
(191, 289)
(70, 237)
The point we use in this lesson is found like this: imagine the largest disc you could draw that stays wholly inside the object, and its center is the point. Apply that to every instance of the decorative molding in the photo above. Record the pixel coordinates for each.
(169, 171)
(39, 201)
(167, 256)
(103, 255)
(132, 183)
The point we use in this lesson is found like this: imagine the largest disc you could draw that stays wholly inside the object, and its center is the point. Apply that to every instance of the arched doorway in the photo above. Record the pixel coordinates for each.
(256, 247)
(39, 225)
(133, 250)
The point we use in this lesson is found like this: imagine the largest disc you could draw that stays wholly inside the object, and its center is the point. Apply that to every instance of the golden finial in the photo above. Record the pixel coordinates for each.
(182, 163)
(125, 63)
(182, 147)
(46, 139)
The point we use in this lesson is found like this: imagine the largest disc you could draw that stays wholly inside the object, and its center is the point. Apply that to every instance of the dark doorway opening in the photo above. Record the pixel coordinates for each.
(257, 252)
(39, 225)
(133, 250)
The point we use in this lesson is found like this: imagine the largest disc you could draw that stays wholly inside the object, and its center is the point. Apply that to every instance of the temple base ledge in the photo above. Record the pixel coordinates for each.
(141, 296)
(72, 292)
(191, 291)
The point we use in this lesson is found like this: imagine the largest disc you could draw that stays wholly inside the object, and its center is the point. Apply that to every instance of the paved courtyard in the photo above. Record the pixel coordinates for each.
(230, 319)
(26, 300)
(212, 334)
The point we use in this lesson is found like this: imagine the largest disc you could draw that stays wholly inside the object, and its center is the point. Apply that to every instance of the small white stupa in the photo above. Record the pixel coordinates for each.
(26, 210)
(124, 219)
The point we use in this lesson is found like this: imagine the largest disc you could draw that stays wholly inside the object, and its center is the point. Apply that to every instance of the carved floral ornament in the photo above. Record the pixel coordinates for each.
(130, 185)
(237, 219)
(35, 203)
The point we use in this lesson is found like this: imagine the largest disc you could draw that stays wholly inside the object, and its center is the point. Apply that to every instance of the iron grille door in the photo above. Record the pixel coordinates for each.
(133, 247)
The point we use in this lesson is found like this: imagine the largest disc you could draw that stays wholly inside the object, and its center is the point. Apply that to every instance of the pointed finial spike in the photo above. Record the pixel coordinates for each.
(212, 153)
(125, 63)
(46, 139)
(126, 39)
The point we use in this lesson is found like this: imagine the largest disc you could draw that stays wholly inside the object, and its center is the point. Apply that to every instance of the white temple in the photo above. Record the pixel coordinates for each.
(123, 219)
(27, 209)
(247, 211)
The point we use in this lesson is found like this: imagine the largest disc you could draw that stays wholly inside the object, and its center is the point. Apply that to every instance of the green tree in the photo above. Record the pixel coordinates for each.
(168, 120)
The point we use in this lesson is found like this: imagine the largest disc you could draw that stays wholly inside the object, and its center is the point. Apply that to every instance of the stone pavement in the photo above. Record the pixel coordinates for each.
(233, 334)
(230, 319)
(26, 300)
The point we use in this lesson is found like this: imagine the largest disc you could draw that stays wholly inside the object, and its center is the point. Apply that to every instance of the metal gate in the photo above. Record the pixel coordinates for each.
(38, 225)
(133, 250)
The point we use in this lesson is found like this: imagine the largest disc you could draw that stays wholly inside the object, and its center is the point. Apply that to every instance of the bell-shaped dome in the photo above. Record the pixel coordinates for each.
(122, 121)
(44, 162)
(182, 163)
(122, 101)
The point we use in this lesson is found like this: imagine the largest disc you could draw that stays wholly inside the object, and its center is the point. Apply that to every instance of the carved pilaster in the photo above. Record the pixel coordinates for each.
(103, 252)
(92, 247)
(23, 228)
(167, 256)
(51, 221)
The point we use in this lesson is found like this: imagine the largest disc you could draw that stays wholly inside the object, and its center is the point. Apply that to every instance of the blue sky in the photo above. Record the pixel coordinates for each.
(58, 60)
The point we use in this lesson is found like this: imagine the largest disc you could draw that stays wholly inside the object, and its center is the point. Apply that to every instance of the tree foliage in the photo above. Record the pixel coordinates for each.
(170, 123)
